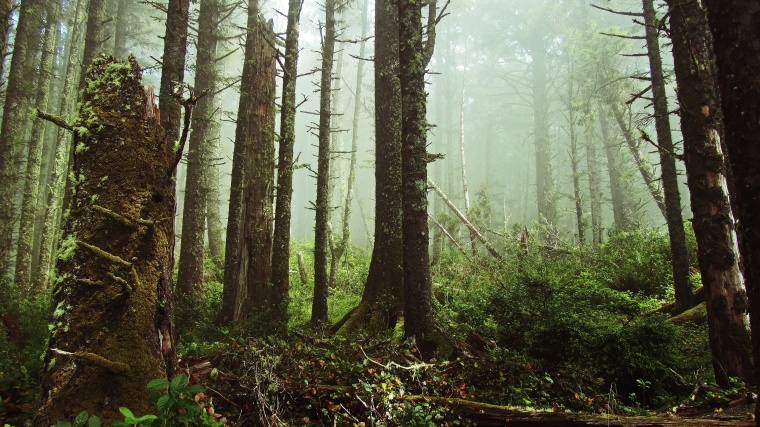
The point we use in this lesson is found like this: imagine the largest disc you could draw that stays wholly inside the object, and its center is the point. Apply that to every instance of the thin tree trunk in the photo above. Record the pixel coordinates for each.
(462, 158)
(673, 217)
(24, 254)
(113, 330)
(322, 204)
(6, 23)
(418, 309)
(595, 190)
(575, 162)
(701, 124)
(281, 240)
(462, 217)
(190, 271)
(345, 240)
(19, 97)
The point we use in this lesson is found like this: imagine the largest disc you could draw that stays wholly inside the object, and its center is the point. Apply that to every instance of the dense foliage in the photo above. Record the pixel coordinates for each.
(559, 328)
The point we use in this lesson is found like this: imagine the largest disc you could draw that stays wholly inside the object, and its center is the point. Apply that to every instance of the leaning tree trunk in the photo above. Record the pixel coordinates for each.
(322, 204)
(418, 309)
(673, 217)
(382, 299)
(641, 162)
(736, 32)
(29, 207)
(701, 124)
(281, 239)
(112, 330)
(190, 272)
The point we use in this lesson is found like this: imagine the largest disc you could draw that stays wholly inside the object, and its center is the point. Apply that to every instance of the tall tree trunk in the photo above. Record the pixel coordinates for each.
(701, 124)
(190, 271)
(382, 299)
(214, 226)
(736, 30)
(247, 269)
(24, 254)
(673, 215)
(112, 329)
(19, 96)
(120, 30)
(51, 231)
(620, 209)
(545, 191)
(173, 66)
(575, 162)
(345, 239)
(462, 158)
(595, 190)
(281, 240)
(6, 10)
(322, 204)
(418, 308)
(95, 36)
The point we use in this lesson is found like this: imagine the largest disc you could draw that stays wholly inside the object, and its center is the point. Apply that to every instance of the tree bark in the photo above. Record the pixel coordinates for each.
(95, 36)
(190, 271)
(418, 308)
(701, 126)
(173, 66)
(51, 231)
(112, 329)
(545, 191)
(29, 207)
(322, 204)
(673, 217)
(19, 96)
(382, 299)
(735, 26)
(575, 166)
(281, 239)
(594, 189)
(248, 261)
(6, 10)
(120, 28)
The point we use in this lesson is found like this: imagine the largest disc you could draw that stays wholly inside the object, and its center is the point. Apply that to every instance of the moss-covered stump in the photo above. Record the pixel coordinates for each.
(112, 330)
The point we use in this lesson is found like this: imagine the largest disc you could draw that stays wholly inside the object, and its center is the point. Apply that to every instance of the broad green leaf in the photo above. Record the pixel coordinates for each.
(60, 424)
(196, 388)
(180, 381)
(158, 384)
(81, 419)
(94, 421)
(149, 417)
(127, 413)
(164, 404)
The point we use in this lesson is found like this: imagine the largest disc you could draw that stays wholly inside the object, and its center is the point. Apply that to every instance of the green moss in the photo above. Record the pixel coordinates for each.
(68, 248)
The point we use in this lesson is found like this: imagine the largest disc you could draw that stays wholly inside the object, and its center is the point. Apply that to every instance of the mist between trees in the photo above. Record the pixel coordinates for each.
(330, 166)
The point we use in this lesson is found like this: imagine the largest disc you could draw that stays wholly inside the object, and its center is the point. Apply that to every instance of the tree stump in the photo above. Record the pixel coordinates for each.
(113, 329)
